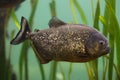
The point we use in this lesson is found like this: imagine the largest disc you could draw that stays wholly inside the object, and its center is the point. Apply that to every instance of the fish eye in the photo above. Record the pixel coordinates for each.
(101, 42)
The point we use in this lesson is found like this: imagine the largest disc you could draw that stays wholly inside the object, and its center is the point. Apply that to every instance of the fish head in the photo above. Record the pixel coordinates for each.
(97, 45)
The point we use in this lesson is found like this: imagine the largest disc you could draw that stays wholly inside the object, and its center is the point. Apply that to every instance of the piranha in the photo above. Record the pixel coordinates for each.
(64, 42)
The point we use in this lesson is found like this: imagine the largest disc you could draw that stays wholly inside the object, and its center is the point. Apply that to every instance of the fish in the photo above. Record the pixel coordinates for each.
(63, 41)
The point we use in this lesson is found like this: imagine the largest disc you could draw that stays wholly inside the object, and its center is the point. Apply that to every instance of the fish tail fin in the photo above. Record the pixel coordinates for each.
(23, 32)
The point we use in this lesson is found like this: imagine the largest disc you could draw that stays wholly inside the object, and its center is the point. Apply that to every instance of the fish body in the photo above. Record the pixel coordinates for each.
(64, 42)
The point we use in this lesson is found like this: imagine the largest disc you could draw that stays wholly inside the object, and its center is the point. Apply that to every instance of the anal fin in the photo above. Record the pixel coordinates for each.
(39, 55)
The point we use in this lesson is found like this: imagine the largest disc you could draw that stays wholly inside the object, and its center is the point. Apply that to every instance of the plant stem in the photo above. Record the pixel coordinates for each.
(4, 17)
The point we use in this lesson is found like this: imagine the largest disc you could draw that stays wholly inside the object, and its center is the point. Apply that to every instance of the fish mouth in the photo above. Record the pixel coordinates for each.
(107, 50)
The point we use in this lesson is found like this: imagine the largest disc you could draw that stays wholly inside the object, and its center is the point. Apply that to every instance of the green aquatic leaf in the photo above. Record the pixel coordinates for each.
(96, 18)
(21, 58)
(94, 63)
(73, 11)
(15, 19)
(9, 66)
(53, 8)
(42, 71)
(110, 67)
(53, 64)
(70, 71)
(115, 67)
(89, 71)
(53, 71)
(114, 35)
(40, 65)
(23, 61)
(81, 12)
(24, 50)
(34, 4)
(105, 69)
(116, 32)
(117, 71)
(92, 6)
(105, 61)
(103, 21)
(62, 71)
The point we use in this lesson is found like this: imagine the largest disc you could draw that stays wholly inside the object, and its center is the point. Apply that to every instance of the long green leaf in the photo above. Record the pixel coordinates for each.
(96, 25)
(24, 51)
(110, 8)
(42, 71)
(110, 67)
(15, 19)
(10, 72)
(54, 64)
(34, 4)
(90, 74)
(102, 19)
(53, 71)
(105, 70)
(96, 18)
(70, 71)
(116, 68)
(117, 32)
(73, 11)
(62, 71)
(92, 5)
(53, 8)
(81, 12)
(21, 60)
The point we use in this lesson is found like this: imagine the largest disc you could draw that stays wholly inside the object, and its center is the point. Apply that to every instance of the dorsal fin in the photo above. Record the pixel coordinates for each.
(55, 22)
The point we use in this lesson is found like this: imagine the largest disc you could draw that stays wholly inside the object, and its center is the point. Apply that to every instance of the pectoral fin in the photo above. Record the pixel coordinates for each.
(55, 22)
